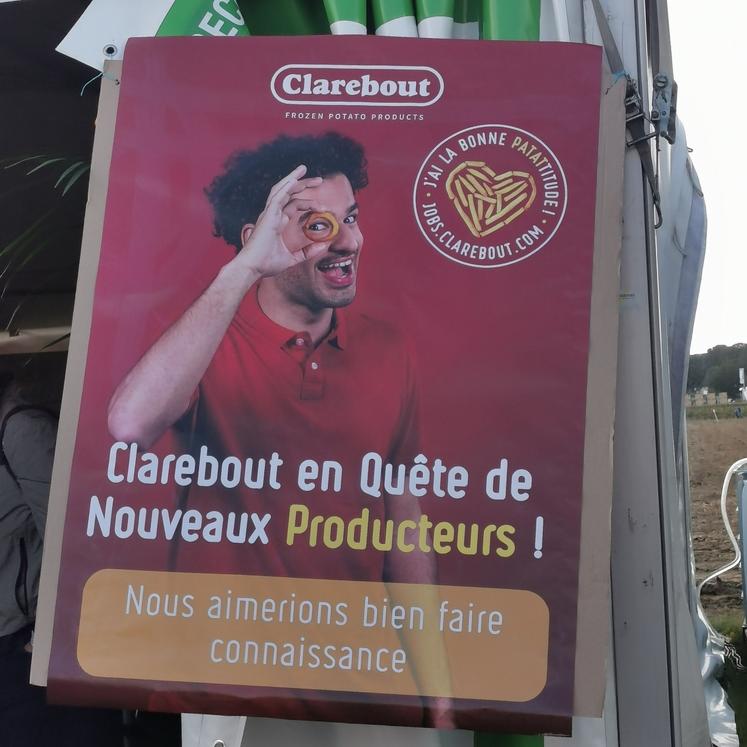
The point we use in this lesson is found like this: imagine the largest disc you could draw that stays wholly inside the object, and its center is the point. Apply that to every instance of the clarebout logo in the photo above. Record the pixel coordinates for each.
(357, 85)
(490, 195)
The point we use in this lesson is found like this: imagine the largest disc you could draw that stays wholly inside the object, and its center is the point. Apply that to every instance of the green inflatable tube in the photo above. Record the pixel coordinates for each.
(203, 18)
(394, 18)
(435, 18)
(466, 19)
(511, 20)
(346, 16)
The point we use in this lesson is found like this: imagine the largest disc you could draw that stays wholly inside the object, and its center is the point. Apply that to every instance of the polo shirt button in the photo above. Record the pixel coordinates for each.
(315, 365)
(219, 743)
(299, 341)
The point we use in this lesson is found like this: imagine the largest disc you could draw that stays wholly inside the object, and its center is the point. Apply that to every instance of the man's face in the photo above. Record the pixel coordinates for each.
(329, 280)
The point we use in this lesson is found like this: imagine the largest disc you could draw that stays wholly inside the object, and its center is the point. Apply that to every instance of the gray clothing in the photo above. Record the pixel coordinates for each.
(28, 444)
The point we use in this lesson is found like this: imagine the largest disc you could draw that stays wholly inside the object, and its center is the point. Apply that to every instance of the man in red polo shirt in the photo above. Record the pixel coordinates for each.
(267, 361)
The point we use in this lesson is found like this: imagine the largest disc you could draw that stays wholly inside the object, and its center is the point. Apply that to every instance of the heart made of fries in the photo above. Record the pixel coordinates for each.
(487, 201)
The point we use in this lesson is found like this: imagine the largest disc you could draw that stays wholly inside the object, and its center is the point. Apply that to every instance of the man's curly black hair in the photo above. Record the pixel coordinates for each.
(239, 194)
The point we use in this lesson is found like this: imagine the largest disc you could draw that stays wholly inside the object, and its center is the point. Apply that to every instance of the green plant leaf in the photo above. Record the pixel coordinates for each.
(37, 237)
(24, 237)
(43, 164)
(9, 325)
(67, 171)
(28, 256)
(24, 160)
(75, 176)
(36, 248)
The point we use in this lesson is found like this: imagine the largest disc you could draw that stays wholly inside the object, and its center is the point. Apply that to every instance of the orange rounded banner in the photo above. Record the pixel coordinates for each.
(315, 634)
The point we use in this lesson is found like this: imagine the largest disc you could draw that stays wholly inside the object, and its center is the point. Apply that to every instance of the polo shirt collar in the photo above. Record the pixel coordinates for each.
(338, 334)
(251, 314)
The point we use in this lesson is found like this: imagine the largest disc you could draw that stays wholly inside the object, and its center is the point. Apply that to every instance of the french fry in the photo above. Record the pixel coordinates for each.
(481, 175)
(513, 189)
(453, 177)
(476, 186)
(460, 192)
(465, 216)
(514, 214)
(450, 186)
(473, 211)
(487, 201)
(499, 185)
(503, 175)
(507, 210)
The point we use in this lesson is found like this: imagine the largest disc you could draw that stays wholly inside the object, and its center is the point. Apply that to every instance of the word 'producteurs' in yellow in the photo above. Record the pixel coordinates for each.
(363, 532)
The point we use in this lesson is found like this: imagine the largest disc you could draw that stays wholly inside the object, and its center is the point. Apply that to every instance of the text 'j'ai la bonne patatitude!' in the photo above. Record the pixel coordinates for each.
(376, 478)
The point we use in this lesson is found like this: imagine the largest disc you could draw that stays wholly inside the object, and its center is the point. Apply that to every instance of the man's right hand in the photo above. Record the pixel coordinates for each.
(159, 389)
(264, 250)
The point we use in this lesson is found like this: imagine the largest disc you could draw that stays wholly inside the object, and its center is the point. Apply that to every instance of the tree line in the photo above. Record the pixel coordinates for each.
(718, 369)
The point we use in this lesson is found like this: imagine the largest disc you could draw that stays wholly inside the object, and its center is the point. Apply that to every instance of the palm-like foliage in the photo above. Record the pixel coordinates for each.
(55, 173)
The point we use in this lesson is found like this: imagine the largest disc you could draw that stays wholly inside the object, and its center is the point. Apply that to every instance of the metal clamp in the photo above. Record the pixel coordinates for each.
(664, 107)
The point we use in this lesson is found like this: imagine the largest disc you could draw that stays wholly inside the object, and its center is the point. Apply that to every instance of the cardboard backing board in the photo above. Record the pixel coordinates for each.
(592, 638)
(76, 361)
(593, 590)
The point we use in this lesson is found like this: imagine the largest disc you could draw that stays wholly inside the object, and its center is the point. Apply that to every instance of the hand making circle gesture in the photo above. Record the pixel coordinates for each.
(267, 246)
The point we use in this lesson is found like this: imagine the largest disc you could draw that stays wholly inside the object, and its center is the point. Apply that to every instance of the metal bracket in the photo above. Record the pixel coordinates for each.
(664, 107)
(635, 117)
(635, 121)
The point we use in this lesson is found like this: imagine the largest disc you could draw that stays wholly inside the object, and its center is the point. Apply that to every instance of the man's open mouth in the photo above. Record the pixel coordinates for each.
(337, 271)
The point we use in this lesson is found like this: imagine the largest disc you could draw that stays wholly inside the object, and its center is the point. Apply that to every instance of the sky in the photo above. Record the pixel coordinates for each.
(708, 41)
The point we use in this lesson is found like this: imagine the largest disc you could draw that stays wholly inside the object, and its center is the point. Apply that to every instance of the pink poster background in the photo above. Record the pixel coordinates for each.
(502, 352)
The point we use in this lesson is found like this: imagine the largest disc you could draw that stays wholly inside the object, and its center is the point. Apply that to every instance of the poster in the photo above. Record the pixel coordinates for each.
(356, 494)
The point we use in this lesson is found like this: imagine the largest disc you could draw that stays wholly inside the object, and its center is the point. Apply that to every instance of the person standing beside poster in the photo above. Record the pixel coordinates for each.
(267, 361)
(27, 445)
(27, 439)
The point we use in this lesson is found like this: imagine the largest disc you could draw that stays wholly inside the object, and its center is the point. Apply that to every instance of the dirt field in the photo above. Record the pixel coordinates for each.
(712, 448)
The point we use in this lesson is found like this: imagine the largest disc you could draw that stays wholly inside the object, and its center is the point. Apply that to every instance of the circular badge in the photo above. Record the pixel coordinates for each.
(490, 196)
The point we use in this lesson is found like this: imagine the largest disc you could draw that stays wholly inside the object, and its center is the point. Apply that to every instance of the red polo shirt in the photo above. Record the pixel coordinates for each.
(268, 389)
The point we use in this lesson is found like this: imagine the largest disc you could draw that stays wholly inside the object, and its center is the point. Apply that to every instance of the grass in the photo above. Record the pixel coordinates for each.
(712, 447)
(705, 412)
(729, 624)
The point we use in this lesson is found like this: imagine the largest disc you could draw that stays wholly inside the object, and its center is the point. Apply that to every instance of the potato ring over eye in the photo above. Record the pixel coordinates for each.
(321, 227)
